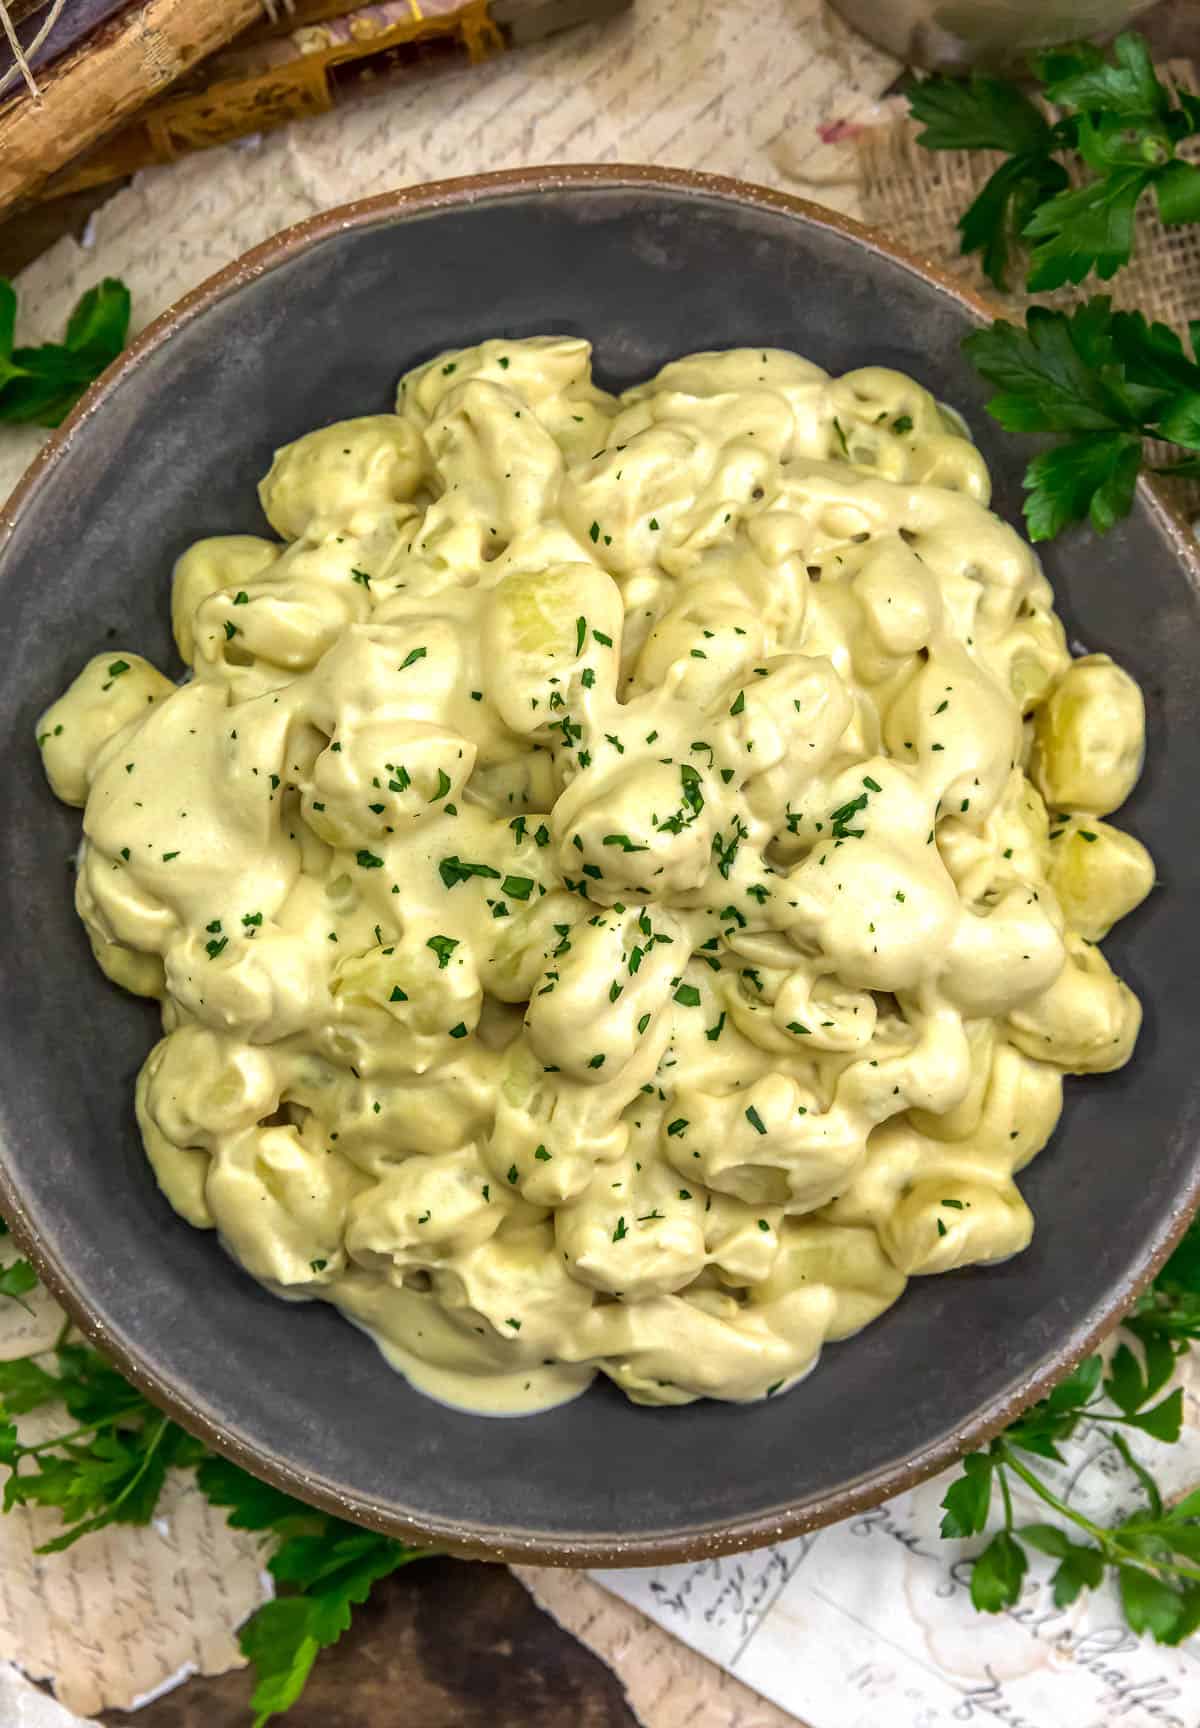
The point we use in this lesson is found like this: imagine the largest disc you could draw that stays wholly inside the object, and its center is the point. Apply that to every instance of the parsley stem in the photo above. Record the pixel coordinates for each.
(1008, 1506)
(1143, 1475)
(1007, 1456)
(164, 1422)
(77, 1433)
(1114, 1550)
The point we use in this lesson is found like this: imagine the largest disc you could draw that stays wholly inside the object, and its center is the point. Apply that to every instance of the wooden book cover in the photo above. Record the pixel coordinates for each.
(290, 59)
(102, 80)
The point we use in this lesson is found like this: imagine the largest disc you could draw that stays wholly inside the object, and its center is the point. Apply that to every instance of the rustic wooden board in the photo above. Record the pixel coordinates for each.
(441, 1644)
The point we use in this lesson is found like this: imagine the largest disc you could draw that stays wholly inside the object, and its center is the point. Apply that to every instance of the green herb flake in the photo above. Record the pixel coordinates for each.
(443, 947)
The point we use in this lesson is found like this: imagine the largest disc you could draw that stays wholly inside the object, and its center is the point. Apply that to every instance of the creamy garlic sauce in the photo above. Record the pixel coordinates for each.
(624, 874)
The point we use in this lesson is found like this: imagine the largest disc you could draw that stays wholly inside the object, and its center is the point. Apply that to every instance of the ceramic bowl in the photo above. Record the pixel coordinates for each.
(317, 325)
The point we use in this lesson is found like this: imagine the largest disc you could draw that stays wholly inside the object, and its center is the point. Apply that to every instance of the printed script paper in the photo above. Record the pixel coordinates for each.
(745, 87)
(127, 1611)
(870, 1622)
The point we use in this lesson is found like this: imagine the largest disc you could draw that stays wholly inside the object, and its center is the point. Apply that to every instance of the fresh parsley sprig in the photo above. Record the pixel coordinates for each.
(326, 1566)
(1118, 118)
(1104, 380)
(109, 1466)
(1155, 1552)
(41, 385)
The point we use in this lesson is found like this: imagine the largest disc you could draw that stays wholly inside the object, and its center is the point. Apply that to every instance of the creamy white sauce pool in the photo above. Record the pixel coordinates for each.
(623, 881)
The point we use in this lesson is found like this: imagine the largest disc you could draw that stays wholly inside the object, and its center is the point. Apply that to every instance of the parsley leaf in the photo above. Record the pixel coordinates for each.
(41, 385)
(1085, 228)
(327, 1567)
(979, 114)
(17, 1279)
(1093, 477)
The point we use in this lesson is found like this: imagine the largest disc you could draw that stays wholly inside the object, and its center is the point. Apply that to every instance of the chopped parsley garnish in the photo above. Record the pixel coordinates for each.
(519, 887)
(755, 1120)
(397, 994)
(838, 818)
(443, 947)
(453, 870)
(411, 658)
(687, 996)
(459, 1031)
(620, 1233)
(368, 860)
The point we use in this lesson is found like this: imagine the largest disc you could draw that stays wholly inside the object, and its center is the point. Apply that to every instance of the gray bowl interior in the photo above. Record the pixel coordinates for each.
(174, 453)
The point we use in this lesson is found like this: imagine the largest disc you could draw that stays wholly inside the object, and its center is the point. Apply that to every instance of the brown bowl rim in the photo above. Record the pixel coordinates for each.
(475, 1542)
